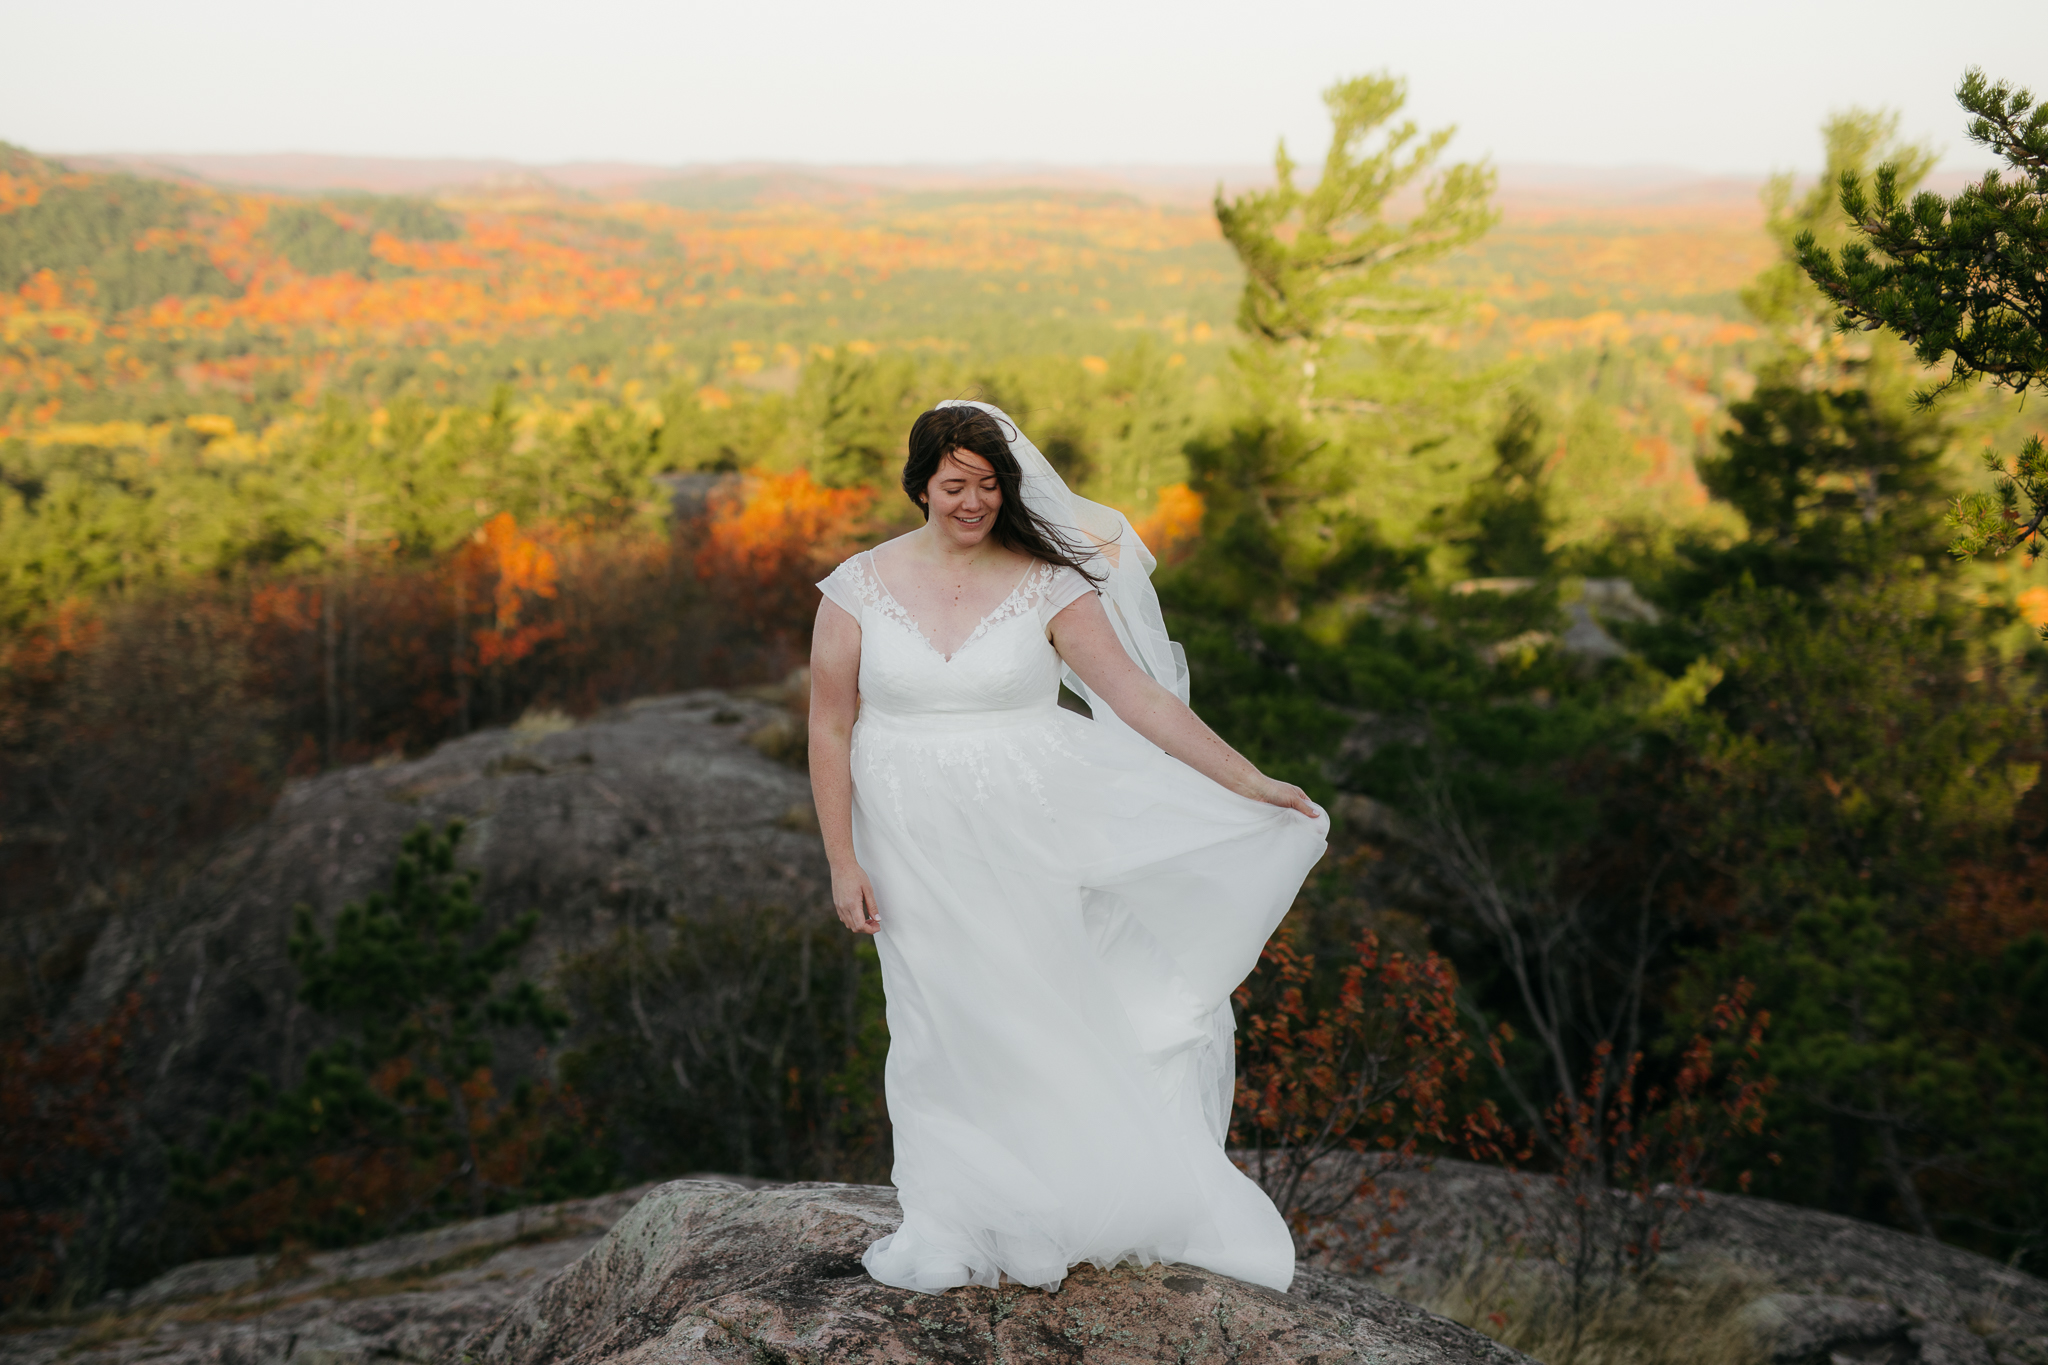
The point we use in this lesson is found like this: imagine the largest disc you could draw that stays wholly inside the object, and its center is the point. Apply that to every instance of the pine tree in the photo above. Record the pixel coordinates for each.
(1325, 263)
(1313, 483)
(1829, 480)
(1965, 281)
(1830, 464)
(1844, 751)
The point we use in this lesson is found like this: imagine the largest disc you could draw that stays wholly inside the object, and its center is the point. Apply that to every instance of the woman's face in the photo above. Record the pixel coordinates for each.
(962, 497)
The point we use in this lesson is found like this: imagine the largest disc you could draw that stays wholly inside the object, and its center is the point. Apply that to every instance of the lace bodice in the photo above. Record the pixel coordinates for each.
(1006, 664)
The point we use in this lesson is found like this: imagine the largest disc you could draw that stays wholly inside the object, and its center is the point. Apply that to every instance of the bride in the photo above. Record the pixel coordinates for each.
(1062, 909)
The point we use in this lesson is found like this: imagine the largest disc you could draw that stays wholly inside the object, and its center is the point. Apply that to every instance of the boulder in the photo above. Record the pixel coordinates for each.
(661, 808)
(710, 1271)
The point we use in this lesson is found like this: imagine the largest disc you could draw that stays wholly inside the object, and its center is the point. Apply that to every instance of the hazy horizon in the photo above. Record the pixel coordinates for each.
(1592, 84)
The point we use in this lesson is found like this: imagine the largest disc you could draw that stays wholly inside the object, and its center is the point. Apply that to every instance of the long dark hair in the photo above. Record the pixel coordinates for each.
(961, 427)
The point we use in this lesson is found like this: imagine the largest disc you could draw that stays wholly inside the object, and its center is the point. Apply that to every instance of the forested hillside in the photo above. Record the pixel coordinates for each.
(238, 320)
(1570, 554)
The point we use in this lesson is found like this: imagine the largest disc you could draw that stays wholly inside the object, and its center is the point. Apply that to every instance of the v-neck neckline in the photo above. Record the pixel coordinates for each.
(918, 630)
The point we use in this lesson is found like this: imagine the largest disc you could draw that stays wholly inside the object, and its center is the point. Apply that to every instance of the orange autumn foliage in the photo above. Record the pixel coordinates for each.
(523, 564)
(290, 606)
(2033, 605)
(42, 290)
(771, 535)
(567, 263)
(509, 568)
(69, 630)
(18, 192)
(1174, 523)
(533, 269)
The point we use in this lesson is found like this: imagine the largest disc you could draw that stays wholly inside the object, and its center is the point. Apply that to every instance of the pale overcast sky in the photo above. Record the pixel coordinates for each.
(1735, 86)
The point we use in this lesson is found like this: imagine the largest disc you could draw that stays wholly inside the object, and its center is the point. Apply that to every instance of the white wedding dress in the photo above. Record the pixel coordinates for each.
(1065, 911)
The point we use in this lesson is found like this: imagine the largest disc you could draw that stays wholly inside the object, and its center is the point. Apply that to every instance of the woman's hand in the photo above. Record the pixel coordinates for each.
(853, 897)
(1284, 794)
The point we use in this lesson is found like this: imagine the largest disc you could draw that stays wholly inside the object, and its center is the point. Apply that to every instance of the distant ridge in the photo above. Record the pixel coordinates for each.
(1528, 192)
(305, 172)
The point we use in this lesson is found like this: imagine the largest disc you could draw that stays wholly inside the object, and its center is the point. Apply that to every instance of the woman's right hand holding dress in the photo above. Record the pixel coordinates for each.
(853, 897)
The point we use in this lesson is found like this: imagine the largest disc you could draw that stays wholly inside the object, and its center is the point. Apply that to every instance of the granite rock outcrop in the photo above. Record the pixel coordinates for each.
(658, 811)
(716, 1268)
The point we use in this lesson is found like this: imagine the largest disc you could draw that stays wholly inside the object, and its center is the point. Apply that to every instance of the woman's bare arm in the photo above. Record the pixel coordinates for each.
(1085, 639)
(835, 701)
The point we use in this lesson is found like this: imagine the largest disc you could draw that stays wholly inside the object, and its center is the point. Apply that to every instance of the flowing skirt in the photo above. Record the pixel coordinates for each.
(1065, 912)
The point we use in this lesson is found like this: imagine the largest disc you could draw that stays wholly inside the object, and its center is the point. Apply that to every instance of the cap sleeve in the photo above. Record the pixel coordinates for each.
(1066, 588)
(844, 587)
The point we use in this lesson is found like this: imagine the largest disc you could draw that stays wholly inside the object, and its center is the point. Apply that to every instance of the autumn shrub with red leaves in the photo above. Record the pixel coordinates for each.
(1347, 1078)
(1331, 1099)
(1627, 1154)
(63, 1115)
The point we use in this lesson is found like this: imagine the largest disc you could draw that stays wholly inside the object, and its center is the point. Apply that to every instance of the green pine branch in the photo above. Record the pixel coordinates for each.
(1965, 282)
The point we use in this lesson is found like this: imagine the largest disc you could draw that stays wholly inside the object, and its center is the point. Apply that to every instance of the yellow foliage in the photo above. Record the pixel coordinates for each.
(108, 435)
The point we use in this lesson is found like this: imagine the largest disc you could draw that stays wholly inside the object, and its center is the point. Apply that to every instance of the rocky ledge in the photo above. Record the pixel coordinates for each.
(719, 1269)
(701, 1271)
